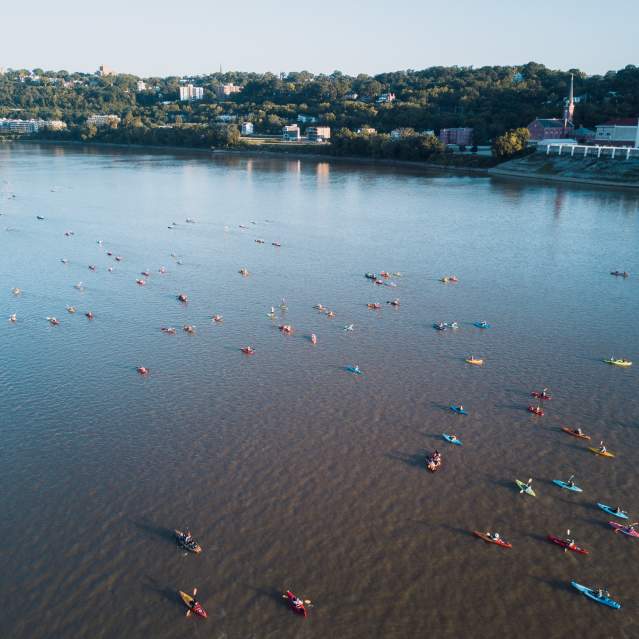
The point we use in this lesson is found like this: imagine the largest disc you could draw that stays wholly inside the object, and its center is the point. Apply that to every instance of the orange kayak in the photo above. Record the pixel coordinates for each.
(574, 433)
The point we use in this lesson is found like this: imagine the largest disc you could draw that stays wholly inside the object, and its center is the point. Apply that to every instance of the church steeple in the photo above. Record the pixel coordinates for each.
(569, 109)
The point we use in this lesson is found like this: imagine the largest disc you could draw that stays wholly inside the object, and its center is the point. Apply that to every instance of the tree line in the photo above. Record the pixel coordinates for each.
(491, 100)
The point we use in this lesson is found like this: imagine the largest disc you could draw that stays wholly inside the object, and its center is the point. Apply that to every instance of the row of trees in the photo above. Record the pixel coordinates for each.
(491, 100)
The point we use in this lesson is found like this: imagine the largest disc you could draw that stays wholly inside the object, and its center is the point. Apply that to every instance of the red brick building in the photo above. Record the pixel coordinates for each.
(555, 128)
(550, 129)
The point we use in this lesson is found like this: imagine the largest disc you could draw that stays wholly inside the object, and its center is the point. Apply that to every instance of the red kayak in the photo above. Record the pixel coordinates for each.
(490, 540)
(541, 395)
(564, 543)
(536, 410)
(192, 604)
(295, 604)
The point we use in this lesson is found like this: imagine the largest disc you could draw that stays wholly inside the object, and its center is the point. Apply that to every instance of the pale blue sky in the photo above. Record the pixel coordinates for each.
(148, 37)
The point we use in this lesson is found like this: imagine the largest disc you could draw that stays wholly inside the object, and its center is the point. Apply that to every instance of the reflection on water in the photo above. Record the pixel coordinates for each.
(291, 471)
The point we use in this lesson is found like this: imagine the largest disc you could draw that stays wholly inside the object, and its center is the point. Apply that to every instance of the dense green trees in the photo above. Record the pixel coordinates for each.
(511, 143)
(489, 99)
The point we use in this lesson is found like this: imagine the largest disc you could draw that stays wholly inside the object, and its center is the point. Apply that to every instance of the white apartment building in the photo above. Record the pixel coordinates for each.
(189, 92)
(8, 125)
(103, 120)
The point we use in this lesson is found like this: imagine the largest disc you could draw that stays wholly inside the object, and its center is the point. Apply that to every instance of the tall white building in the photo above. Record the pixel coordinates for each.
(189, 92)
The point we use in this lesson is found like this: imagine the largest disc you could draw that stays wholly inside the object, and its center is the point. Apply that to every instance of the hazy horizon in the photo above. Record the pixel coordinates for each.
(147, 41)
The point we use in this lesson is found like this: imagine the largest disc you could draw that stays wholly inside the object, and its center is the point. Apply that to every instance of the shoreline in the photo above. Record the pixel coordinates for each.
(505, 173)
(425, 167)
(293, 155)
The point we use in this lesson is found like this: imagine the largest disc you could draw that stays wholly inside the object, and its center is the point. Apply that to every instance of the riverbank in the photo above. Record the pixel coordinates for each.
(293, 154)
(600, 172)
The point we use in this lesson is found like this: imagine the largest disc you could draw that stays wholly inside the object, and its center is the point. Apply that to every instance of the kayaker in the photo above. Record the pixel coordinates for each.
(602, 448)
(494, 536)
(356, 369)
(578, 431)
(571, 483)
(188, 537)
(529, 483)
(618, 511)
(460, 408)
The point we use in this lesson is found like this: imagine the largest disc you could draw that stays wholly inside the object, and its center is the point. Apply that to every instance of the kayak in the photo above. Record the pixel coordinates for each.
(574, 433)
(354, 370)
(592, 594)
(433, 462)
(612, 511)
(618, 362)
(596, 451)
(617, 273)
(564, 543)
(563, 484)
(474, 361)
(295, 604)
(192, 546)
(623, 529)
(541, 395)
(440, 327)
(490, 540)
(536, 410)
(525, 488)
(481, 324)
(197, 608)
(458, 410)
(452, 439)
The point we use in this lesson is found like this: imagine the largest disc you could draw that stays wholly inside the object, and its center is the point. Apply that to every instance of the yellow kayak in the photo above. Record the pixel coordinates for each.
(475, 361)
(618, 362)
(596, 451)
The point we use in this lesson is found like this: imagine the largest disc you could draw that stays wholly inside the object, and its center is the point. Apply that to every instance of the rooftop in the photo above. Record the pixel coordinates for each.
(621, 122)
(550, 122)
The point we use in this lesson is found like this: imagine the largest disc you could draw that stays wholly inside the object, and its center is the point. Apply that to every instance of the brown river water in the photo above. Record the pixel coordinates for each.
(291, 471)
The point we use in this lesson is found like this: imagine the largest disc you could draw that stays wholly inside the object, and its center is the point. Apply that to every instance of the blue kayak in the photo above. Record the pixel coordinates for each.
(567, 486)
(354, 370)
(612, 511)
(481, 324)
(451, 439)
(458, 410)
(589, 592)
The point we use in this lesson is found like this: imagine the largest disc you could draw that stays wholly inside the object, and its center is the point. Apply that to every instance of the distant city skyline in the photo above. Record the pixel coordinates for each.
(196, 37)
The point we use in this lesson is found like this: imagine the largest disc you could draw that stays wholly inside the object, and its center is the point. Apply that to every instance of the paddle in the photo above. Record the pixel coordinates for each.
(188, 612)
